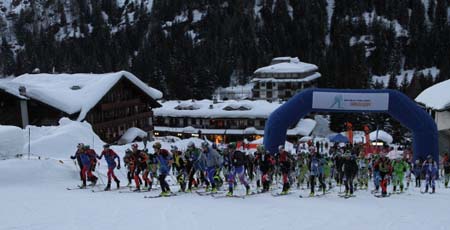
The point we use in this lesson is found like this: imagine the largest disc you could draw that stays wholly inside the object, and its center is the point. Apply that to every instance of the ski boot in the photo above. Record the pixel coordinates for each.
(230, 192)
(214, 190)
(108, 187)
(433, 190)
(83, 186)
(311, 194)
(117, 183)
(138, 189)
(247, 190)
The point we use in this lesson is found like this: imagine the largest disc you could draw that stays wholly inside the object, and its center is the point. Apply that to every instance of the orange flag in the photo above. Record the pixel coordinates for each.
(349, 132)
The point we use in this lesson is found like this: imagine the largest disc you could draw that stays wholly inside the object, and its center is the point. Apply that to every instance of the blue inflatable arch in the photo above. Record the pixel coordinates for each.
(396, 104)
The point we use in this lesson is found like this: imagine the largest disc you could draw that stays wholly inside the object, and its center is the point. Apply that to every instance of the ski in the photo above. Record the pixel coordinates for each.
(136, 191)
(381, 196)
(347, 196)
(280, 194)
(111, 190)
(160, 196)
(316, 195)
(218, 196)
(76, 188)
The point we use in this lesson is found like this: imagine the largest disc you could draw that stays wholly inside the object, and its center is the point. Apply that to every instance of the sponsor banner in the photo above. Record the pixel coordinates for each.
(350, 101)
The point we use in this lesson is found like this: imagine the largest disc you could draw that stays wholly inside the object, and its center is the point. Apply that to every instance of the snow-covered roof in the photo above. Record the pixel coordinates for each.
(225, 109)
(72, 93)
(304, 127)
(436, 97)
(306, 79)
(293, 66)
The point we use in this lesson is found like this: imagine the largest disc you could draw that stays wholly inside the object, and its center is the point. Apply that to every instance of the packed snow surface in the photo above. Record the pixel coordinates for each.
(35, 197)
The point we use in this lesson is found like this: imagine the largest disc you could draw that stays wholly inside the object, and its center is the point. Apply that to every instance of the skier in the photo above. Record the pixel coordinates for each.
(327, 166)
(446, 165)
(80, 149)
(338, 168)
(256, 162)
(363, 171)
(140, 161)
(266, 166)
(237, 159)
(129, 161)
(350, 168)
(212, 162)
(285, 166)
(194, 162)
(179, 167)
(315, 171)
(110, 157)
(417, 170)
(302, 169)
(399, 167)
(385, 170)
(431, 173)
(85, 171)
(376, 173)
(165, 162)
(93, 162)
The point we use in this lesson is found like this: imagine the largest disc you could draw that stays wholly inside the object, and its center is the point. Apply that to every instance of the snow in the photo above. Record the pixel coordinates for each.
(306, 79)
(330, 10)
(304, 127)
(409, 74)
(234, 92)
(56, 89)
(436, 97)
(294, 66)
(197, 16)
(35, 197)
(370, 17)
(382, 135)
(202, 109)
(12, 141)
(131, 134)
(61, 141)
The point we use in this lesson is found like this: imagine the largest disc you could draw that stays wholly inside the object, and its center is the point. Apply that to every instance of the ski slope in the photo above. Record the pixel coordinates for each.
(34, 196)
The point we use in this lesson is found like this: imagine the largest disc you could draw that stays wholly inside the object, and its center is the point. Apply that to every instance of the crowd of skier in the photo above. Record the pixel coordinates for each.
(213, 168)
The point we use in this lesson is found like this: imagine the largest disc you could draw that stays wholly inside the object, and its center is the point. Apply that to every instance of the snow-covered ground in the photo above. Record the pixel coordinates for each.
(34, 196)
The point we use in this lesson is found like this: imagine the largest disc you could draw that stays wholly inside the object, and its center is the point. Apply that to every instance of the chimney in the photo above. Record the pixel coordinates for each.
(23, 91)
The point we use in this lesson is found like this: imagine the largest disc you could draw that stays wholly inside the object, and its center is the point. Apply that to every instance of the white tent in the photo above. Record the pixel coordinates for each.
(382, 136)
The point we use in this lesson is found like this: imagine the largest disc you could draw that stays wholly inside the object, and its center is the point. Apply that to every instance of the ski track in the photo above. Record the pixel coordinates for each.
(36, 198)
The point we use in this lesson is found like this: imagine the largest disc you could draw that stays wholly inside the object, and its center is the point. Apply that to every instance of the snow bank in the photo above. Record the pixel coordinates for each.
(131, 134)
(61, 141)
(12, 141)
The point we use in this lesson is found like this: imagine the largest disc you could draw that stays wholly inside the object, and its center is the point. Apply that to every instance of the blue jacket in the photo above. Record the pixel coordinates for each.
(315, 167)
(110, 157)
(430, 168)
(85, 159)
(163, 159)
